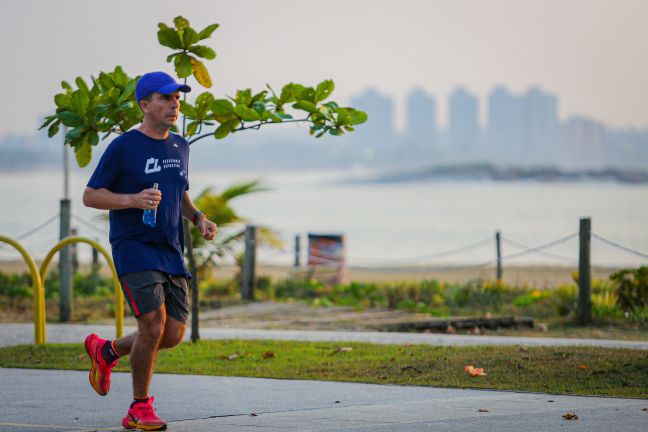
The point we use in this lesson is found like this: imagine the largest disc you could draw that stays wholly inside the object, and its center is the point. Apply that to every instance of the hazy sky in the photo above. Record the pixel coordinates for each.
(592, 54)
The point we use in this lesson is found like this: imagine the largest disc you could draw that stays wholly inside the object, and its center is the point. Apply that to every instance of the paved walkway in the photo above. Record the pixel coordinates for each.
(14, 334)
(43, 400)
(46, 400)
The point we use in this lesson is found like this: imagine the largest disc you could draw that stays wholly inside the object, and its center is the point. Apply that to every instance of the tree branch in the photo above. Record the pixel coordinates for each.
(256, 126)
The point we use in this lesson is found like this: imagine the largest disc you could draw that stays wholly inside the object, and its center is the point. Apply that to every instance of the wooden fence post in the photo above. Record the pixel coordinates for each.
(297, 250)
(498, 243)
(584, 273)
(248, 278)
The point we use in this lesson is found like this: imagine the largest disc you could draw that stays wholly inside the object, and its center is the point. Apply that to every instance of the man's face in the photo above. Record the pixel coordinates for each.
(163, 110)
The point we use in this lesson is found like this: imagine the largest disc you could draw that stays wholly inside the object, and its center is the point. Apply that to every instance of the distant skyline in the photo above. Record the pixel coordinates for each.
(590, 53)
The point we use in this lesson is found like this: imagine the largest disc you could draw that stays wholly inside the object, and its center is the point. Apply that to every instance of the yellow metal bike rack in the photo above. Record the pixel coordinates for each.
(39, 292)
(119, 297)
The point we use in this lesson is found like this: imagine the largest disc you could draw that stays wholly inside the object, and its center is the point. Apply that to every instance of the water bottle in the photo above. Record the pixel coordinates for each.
(148, 217)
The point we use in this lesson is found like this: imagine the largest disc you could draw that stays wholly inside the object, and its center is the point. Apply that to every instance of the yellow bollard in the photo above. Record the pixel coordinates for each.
(39, 292)
(119, 297)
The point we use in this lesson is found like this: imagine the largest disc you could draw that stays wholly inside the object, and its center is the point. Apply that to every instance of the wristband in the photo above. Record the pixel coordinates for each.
(196, 216)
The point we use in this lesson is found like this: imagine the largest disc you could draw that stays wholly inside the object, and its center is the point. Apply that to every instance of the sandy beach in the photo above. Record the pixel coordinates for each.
(536, 276)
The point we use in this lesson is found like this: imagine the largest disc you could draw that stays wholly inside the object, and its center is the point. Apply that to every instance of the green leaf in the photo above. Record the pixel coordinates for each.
(82, 85)
(200, 72)
(192, 128)
(53, 129)
(106, 80)
(261, 96)
(336, 132)
(62, 100)
(246, 113)
(70, 119)
(171, 56)
(189, 38)
(128, 91)
(204, 98)
(162, 26)
(304, 93)
(48, 120)
(243, 97)
(74, 134)
(93, 138)
(66, 86)
(283, 115)
(287, 94)
(203, 52)
(319, 135)
(324, 90)
(222, 107)
(169, 37)
(306, 106)
(121, 79)
(188, 110)
(79, 101)
(224, 129)
(83, 153)
(180, 22)
(269, 115)
(358, 117)
(207, 31)
(183, 67)
(342, 117)
(259, 107)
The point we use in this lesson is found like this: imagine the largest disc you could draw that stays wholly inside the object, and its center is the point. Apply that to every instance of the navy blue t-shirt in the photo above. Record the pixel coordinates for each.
(131, 163)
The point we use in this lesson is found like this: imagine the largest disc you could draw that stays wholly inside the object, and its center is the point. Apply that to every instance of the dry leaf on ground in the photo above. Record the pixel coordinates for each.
(474, 372)
(229, 357)
(269, 355)
(583, 366)
(344, 349)
(482, 410)
(570, 416)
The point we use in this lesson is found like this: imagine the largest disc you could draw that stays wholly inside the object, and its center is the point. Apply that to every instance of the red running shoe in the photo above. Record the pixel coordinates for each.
(141, 415)
(100, 369)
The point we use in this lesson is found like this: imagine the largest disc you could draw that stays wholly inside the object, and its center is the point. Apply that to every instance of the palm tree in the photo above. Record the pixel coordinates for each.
(229, 241)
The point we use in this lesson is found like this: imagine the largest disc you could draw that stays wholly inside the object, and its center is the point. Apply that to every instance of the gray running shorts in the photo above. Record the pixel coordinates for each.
(148, 290)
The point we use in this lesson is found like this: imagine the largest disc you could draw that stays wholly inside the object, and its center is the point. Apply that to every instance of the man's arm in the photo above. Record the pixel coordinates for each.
(207, 228)
(103, 199)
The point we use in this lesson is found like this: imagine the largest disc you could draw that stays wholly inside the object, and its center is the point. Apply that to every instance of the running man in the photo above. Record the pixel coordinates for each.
(149, 260)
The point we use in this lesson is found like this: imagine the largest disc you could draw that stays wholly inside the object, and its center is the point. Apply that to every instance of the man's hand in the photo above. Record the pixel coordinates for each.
(148, 199)
(207, 228)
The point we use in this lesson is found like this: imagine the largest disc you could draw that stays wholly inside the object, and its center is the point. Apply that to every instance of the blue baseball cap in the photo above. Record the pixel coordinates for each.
(159, 82)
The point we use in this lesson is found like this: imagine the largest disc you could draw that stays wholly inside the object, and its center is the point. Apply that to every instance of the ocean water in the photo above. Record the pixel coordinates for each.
(385, 224)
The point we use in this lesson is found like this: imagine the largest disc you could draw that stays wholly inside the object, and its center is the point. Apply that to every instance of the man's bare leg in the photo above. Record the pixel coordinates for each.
(174, 332)
(143, 350)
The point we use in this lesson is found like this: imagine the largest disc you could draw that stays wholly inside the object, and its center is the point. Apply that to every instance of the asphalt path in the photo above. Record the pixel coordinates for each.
(47, 400)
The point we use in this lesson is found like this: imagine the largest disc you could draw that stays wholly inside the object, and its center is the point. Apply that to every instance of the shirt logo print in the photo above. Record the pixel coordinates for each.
(152, 166)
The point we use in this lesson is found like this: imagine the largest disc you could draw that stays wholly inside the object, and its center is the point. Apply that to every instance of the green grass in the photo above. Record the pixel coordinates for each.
(558, 370)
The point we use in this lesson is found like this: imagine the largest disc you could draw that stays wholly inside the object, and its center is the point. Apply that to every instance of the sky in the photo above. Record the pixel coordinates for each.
(592, 54)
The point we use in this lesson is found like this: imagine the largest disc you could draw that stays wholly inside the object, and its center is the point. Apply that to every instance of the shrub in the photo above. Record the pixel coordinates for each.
(565, 299)
(16, 285)
(631, 288)
(220, 289)
(527, 299)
